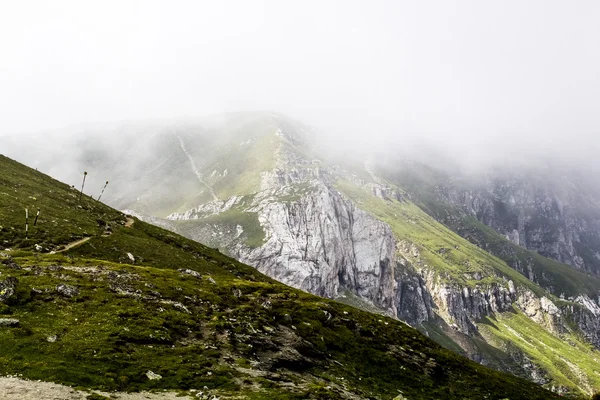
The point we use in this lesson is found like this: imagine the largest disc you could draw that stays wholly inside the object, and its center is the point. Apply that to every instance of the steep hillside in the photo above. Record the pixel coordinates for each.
(340, 231)
(370, 237)
(136, 307)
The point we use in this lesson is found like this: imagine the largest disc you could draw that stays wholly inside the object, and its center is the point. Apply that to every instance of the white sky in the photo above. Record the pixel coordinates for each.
(481, 73)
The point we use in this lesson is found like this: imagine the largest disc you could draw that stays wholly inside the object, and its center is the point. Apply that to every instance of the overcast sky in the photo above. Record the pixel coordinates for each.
(479, 72)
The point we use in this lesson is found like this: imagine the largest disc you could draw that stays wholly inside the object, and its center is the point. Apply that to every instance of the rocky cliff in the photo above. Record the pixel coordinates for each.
(559, 220)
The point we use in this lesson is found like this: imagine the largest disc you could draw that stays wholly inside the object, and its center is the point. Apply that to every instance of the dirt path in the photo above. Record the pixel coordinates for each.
(128, 224)
(12, 388)
(74, 244)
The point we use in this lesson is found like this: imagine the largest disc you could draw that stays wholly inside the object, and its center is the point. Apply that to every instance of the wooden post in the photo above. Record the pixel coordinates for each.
(36, 217)
(101, 193)
(26, 222)
(82, 185)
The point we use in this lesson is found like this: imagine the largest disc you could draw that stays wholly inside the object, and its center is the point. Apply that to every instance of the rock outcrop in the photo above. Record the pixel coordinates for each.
(323, 244)
(558, 220)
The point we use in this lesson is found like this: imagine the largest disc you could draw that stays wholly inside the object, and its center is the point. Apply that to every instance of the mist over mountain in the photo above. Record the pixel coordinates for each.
(480, 83)
(435, 163)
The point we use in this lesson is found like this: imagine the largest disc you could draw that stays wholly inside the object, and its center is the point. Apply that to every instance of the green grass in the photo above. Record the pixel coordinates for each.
(570, 361)
(296, 192)
(245, 163)
(63, 218)
(129, 318)
(252, 236)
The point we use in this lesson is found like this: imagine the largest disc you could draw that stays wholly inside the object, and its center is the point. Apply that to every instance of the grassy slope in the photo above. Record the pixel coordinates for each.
(244, 163)
(570, 361)
(224, 227)
(459, 260)
(242, 333)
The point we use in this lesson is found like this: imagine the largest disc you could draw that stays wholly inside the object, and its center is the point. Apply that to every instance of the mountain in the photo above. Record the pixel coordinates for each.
(397, 238)
(96, 299)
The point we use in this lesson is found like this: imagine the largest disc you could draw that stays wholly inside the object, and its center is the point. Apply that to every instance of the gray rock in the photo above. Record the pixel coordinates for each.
(152, 376)
(7, 288)
(67, 290)
(9, 322)
(191, 272)
(9, 262)
(181, 307)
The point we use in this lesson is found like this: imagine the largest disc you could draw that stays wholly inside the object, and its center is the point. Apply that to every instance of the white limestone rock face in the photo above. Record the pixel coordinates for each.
(323, 243)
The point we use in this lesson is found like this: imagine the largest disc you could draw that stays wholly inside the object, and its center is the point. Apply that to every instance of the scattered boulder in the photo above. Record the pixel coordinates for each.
(267, 304)
(191, 272)
(9, 322)
(237, 293)
(51, 338)
(38, 248)
(7, 288)
(131, 257)
(152, 376)
(181, 307)
(125, 289)
(9, 262)
(67, 290)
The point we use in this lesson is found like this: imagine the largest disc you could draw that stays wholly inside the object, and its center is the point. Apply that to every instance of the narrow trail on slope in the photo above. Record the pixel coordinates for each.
(198, 175)
(13, 388)
(74, 244)
(128, 224)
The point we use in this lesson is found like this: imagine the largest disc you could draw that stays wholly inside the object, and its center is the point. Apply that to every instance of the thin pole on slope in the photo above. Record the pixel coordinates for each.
(36, 217)
(26, 222)
(101, 193)
(82, 185)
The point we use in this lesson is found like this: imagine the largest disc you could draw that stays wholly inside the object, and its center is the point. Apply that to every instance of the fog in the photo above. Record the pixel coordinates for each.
(478, 81)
